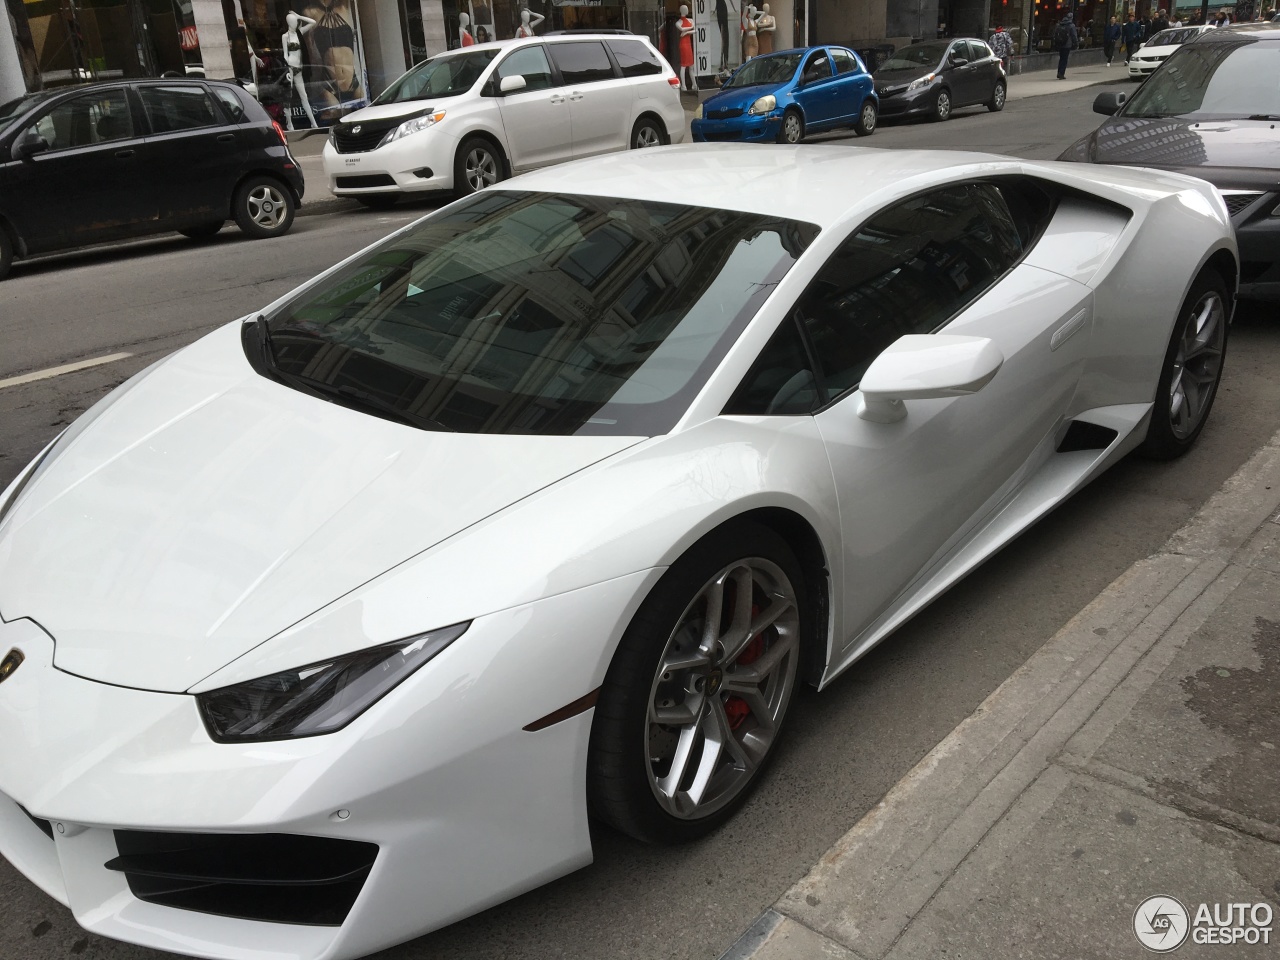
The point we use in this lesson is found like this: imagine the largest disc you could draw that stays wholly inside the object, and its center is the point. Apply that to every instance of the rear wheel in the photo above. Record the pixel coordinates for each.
(204, 231)
(866, 124)
(6, 253)
(478, 165)
(263, 207)
(942, 106)
(695, 697)
(1192, 370)
(379, 201)
(998, 97)
(648, 133)
(792, 130)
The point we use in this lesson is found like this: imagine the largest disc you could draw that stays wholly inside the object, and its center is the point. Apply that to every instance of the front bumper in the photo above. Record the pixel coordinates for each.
(1258, 237)
(420, 163)
(744, 129)
(916, 103)
(465, 806)
(1143, 68)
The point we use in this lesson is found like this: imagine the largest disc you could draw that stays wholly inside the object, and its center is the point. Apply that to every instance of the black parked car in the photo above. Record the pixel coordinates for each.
(1212, 110)
(113, 160)
(932, 78)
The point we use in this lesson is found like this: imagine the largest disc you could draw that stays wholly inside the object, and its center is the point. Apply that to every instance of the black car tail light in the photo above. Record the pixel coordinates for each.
(274, 877)
(280, 132)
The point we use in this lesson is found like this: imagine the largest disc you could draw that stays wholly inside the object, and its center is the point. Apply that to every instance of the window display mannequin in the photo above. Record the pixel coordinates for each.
(765, 25)
(722, 21)
(298, 26)
(750, 44)
(464, 32)
(685, 23)
(528, 21)
(334, 44)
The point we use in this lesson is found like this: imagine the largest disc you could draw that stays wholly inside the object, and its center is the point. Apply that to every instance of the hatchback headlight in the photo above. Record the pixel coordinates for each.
(320, 697)
(697, 114)
(763, 105)
(416, 125)
(921, 82)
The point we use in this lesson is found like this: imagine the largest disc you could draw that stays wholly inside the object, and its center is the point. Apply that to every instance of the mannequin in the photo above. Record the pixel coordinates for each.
(256, 62)
(765, 25)
(685, 23)
(464, 33)
(291, 42)
(722, 21)
(528, 21)
(750, 45)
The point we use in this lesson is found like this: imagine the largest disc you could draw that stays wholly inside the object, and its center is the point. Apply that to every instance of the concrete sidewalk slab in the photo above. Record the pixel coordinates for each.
(1133, 755)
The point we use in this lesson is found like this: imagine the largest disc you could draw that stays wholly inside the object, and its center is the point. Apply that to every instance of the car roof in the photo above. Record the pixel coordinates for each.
(1233, 33)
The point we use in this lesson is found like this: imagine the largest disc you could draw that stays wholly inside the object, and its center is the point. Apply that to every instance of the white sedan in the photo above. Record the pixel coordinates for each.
(1158, 49)
(337, 625)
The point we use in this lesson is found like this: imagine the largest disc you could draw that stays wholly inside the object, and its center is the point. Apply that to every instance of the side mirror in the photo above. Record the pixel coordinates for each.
(512, 84)
(30, 143)
(1109, 103)
(925, 367)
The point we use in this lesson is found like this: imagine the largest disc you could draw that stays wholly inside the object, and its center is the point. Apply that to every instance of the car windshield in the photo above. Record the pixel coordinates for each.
(9, 112)
(1218, 81)
(1167, 37)
(778, 68)
(446, 76)
(916, 55)
(531, 313)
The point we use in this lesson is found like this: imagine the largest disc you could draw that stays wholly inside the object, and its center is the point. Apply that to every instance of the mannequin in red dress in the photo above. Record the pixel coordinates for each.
(464, 33)
(685, 24)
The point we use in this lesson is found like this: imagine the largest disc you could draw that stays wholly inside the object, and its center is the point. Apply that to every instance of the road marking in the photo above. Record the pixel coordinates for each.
(65, 368)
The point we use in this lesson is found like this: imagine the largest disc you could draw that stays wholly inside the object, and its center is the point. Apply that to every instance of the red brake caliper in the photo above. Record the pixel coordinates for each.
(736, 708)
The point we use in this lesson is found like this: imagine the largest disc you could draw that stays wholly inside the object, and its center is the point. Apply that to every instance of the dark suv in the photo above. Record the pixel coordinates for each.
(108, 161)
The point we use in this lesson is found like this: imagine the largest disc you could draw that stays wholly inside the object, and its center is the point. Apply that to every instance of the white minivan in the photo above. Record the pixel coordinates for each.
(471, 117)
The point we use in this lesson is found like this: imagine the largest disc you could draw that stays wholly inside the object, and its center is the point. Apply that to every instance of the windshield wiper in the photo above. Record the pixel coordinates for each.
(344, 394)
(1263, 116)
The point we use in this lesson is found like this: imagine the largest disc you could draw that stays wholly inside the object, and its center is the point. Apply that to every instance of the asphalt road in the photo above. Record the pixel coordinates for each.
(846, 747)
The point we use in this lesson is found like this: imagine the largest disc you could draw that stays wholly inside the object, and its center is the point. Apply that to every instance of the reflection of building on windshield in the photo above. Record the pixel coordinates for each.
(525, 313)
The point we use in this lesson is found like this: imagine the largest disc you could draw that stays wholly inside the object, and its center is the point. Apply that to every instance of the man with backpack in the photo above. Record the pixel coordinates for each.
(1065, 39)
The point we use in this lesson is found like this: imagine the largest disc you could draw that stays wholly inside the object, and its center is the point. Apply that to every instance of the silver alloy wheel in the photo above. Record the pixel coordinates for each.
(792, 128)
(868, 117)
(266, 206)
(1197, 365)
(480, 168)
(998, 97)
(647, 136)
(721, 688)
(943, 107)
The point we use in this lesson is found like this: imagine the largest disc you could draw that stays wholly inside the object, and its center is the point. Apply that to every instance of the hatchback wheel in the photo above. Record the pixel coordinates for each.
(792, 127)
(647, 133)
(263, 207)
(942, 106)
(998, 96)
(866, 124)
(695, 697)
(478, 165)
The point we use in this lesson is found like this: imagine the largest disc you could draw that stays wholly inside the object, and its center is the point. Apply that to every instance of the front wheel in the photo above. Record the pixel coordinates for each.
(998, 97)
(942, 106)
(695, 697)
(1192, 370)
(866, 124)
(263, 207)
(479, 165)
(792, 127)
(648, 133)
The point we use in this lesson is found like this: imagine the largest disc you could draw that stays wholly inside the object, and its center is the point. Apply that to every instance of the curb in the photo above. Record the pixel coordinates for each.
(857, 901)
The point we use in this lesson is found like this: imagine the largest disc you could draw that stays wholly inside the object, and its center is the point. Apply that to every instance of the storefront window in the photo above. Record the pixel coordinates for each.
(1090, 17)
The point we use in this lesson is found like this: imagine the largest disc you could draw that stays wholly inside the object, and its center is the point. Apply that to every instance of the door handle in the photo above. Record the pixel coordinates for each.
(226, 138)
(556, 100)
(576, 95)
(125, 154)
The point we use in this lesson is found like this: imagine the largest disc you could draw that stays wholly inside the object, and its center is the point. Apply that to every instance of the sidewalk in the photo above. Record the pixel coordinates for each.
(1134, 755)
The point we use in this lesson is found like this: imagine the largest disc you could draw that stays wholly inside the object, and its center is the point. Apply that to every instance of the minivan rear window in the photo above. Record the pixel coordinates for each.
(635, 58)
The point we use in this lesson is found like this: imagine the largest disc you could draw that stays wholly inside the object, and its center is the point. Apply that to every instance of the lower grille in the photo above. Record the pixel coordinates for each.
(275, 877)
(724, 135)
(368, 180)
(1236, 202)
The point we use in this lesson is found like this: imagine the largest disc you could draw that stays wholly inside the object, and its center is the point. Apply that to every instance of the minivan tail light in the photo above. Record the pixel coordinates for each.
(673, 80)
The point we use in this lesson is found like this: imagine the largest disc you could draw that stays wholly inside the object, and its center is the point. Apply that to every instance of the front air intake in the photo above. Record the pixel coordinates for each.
(276, 877)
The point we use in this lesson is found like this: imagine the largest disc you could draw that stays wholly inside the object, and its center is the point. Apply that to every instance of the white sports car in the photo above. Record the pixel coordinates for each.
(335, 626)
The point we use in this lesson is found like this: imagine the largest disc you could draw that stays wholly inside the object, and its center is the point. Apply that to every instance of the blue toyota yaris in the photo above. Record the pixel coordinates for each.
(783, 96)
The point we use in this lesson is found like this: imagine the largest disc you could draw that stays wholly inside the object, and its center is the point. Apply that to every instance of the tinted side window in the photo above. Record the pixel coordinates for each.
(185, 107)
(845, 63)
(781, 380)
(909, 269)
(635, 58)
(582, 61)
(98, 117)
(231, 104)
(530, 63)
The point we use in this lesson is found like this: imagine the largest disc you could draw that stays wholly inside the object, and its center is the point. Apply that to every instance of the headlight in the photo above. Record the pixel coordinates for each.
(921, 82)
(763, 105)
(318, 698)
(416, 125)
(697, 114)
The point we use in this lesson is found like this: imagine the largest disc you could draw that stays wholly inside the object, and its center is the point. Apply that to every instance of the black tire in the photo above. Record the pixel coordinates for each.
(792, 129)
(478, 164)
(999, 94)
(648, 132)
(867, 117)
(205, 231)
(941, 106)
(1192, 369)
(379, 201)
(6, 252)
(263, 207)
(623, 779)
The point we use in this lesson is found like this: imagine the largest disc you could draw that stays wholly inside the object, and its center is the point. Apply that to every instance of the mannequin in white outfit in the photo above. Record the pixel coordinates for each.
(528, 20)
(291, 41)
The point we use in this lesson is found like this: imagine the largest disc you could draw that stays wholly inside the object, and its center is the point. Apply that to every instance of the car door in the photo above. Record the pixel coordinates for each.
(195, 155)
(988, 70)
(852, 85)
(964, 74)
(946, 261)
(601, 101)
(817, 92)
(88, 185)
(537, 118)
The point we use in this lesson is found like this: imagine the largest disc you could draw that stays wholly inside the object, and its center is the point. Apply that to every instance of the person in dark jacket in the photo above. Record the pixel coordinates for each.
(1132, 38)
(1161, 22)
(1110, 37)
(1065, 39)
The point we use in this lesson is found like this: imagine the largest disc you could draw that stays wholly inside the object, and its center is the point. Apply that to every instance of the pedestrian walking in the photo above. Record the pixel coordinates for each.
(1002, 47)
(1132, 37)
(1110, 37)
(1161, 22)
(1065, 39)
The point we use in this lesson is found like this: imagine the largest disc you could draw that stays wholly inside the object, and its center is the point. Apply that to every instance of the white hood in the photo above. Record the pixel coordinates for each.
(209, 508)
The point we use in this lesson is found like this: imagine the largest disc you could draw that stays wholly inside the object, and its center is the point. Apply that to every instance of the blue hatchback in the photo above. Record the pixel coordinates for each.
(783, 96)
